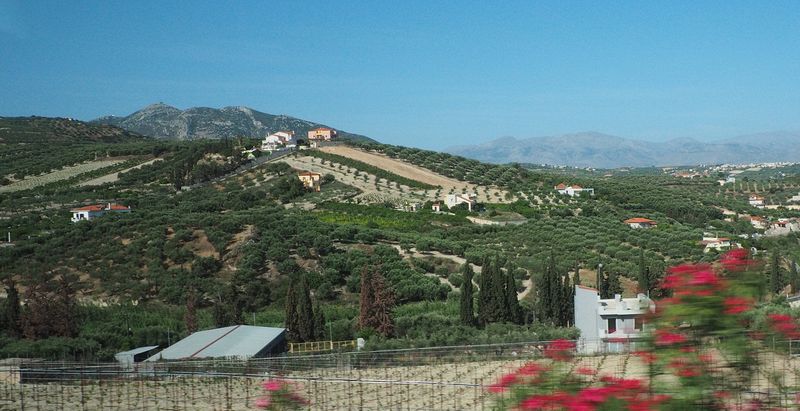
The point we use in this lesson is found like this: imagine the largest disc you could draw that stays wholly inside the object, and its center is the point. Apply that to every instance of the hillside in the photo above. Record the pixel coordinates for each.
(231, 235)
(163, 121)
(32, 130)
(606, 151)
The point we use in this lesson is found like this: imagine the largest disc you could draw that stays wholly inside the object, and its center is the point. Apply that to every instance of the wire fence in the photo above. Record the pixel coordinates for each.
(441, 378)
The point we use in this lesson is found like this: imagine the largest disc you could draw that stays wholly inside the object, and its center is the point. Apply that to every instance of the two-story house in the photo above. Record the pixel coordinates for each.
(607, 325)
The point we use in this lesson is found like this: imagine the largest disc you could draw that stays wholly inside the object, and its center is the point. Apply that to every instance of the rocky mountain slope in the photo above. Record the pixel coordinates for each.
(164, 121)
(606, 151)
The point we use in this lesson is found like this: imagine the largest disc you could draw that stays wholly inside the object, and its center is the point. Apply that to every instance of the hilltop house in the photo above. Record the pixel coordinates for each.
(607, 324)
(310, 180)
(321, 134)
(436, 207)
(640, 222)
(91, 212)
(453, 200)
(756, 201)
(572, 190)
(276, 140)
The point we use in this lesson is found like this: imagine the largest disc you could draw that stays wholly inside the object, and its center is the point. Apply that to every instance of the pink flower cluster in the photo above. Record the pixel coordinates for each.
(560, 350)
(280, 395)
(784, 324)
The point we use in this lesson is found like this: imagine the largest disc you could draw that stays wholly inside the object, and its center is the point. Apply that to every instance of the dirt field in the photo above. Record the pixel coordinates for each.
(442, 386)
(58, 175)
(113, 177)
(385, 191)
(485, 194)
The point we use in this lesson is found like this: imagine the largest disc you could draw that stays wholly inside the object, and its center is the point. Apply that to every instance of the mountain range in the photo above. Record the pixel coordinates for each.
(164, 121)
(591, 149)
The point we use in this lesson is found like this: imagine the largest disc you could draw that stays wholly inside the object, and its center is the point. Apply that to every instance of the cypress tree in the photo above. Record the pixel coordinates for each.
(568, 302)
(644, 274)
(512, 303)
(794, 278)
(576, 279)
(613, 286)
(602, 284)
(557, 295)
(544, 292)
(12, 317)
(319, 323)
(466, 310)
(485, 293)
(305, 311)
(366, 298)
(290, 309)
(383, 303)
(776, 282)
(500, 309)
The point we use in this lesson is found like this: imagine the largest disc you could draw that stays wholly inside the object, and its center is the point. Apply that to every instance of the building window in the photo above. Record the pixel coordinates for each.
(638, 323)
(612, 325)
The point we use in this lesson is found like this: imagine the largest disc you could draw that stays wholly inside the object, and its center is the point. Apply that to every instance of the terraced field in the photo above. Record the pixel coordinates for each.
(58, 175)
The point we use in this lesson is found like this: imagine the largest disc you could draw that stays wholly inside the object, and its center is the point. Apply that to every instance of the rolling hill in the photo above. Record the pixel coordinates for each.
(163, 121)
(599, 150)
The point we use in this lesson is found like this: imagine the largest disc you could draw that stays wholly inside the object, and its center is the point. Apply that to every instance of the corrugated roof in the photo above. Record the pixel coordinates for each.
(139, 350)
(233, 341)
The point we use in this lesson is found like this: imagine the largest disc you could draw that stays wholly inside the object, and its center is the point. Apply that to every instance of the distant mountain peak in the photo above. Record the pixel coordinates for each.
(595, 149)
(164, 121)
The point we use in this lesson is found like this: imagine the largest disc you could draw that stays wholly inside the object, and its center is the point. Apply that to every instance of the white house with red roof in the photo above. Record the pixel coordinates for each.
(712, 242)
(640, 222)
(276, 140)
(572, 190)
(91, 212)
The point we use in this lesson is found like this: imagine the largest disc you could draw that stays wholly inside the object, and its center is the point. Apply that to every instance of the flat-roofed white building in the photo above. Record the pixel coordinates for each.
(607, 325)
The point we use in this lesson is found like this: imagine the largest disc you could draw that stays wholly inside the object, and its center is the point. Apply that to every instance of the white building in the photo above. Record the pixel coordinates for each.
(276, 140)
(712, 242)
(608, 325)
(572, 190)
(756, 201)
(93, 211)
(453, 200)
(640, 222)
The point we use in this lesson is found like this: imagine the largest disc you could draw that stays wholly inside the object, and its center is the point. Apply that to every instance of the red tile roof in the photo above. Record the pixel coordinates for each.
(561, 186)
(100, 207)
(639, 220)
(96, 207)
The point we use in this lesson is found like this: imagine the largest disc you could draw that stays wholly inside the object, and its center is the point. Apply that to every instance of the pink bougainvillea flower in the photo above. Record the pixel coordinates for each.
(668, 338)
(503, 384)
(559, 350)
(737, 305)
(531, 369)
(273, 385)
(586, 371)
(263, 402)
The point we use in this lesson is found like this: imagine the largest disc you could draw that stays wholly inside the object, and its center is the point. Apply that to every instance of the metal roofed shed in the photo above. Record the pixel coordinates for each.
(128, 358)
(236, 341)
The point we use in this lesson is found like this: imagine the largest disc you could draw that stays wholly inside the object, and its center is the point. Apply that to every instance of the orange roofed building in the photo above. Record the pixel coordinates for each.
(310, 180)
(93, 211)
(322, 133)
(640, 222)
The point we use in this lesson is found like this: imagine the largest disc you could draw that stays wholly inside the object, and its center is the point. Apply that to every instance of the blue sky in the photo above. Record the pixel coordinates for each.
(426, 74)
